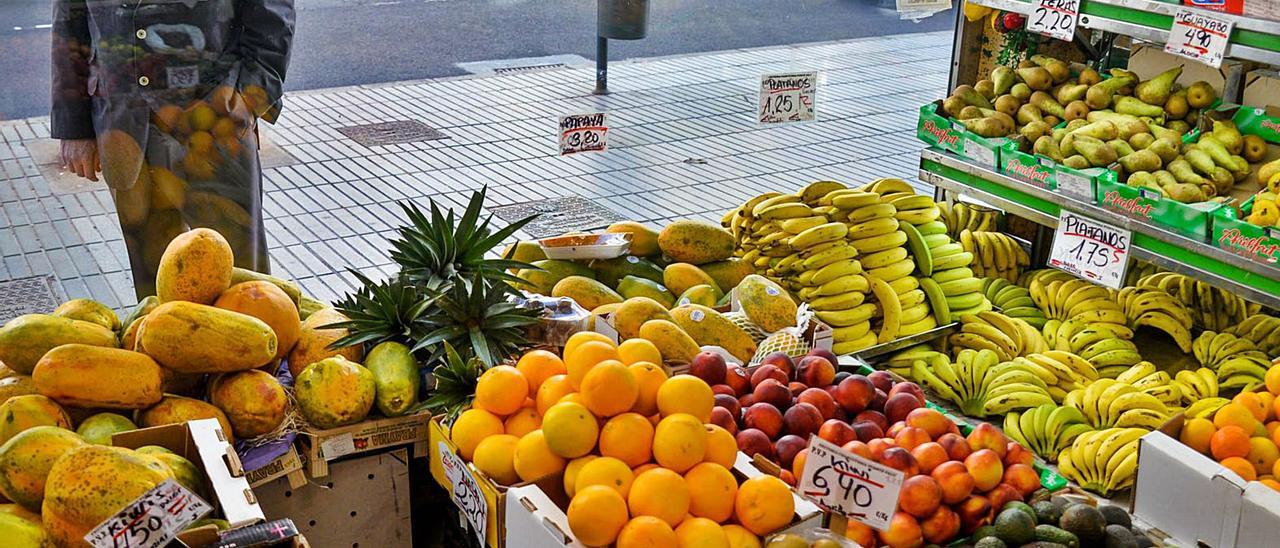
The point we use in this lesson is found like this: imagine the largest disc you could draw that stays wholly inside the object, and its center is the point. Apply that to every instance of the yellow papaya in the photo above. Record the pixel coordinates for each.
(144, 307)
(672, 342)
(632, 286)
(129, 338)
(334, 392)
(22, 412)
(679, 277)
(644, 240)
(702, 294)
(25, 339)
(634, 312)
(177, 410)
(395, 378)
(196, 267)
(88, 310)
(599, 311)
(267, 302)
(195, 338)
(253, 401)
(587, 292)
(100, 427)
(17, 510)
(766, 303)
(314, 340)
(19, 532)
(25, 461)
(552, 271)
(17, 385)
(710, 328)
(90, 484)
(695, 242)
(241, 275)
(308, 306)
(524, 251)
(184, 471)
(728, 273)
(94, 377)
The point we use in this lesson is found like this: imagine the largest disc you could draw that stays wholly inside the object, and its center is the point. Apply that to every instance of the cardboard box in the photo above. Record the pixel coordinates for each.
(939, 131)
(323, 446)
(204, 444)
(363, 500)
(1259, 517)
(1149, 60)
(1043, 172)
(1232, 233)
(289, 464)
(1183, 493)
(1149, 206)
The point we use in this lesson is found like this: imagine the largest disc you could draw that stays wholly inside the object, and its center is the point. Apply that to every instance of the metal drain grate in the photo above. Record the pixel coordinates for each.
(528, 68)
(34, 295)
(391, 133)
(558, 215)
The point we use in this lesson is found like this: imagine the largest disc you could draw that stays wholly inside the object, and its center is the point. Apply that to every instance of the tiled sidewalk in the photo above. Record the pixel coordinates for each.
(333, 207)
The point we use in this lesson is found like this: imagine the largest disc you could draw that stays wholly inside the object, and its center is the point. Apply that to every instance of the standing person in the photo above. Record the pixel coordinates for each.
(163, 96)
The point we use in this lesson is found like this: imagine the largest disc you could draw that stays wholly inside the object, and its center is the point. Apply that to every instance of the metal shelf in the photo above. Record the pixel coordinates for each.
(1254, 281)
(912, 340)
(1253, 39)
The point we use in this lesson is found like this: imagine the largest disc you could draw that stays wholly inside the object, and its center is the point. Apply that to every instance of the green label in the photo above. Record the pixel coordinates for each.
(1026, 168)
(1240, 237)
(937, 130)
(1256, 122)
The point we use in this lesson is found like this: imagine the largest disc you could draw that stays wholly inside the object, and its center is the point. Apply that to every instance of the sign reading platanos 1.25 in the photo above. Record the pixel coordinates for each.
(786, 98)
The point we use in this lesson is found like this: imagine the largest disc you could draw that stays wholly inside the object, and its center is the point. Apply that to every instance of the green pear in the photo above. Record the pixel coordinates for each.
(1226, 133)
(1070, 92)
(1047, 105)
(971, 96)
(1141, 140)
(1021, 90)
(1141, 160)
(1102, 129)
(1201, 94)
(1094, 150)
(1136, 107)
(1121, 147)
(1003, 78)
(1156, 91)
(1166, 149)
(1029, 113)
(1037, 78)
(1057, 69)
(1199, 159)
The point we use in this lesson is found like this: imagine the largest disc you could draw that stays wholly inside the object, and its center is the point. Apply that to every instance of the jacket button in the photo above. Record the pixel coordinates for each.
(143, 80)
(141, 34)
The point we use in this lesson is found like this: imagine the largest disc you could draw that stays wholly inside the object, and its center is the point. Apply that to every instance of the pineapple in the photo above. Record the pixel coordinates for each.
(455, 384)
(393, 310)
(479, 318)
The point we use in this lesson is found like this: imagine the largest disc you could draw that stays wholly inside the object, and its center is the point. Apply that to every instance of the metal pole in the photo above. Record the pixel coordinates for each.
(602, 66)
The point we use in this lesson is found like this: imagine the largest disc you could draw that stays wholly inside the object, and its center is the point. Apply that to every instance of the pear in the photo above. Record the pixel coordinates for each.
(987, 88)
(1165, 178)
(1075, 124)
(1176, 107)
(1142, 179)
(1029, 113)
(1141, 160)
(1186, 193)
(970, 112)
(1180, 126)
(1199, 159)
(1141, 140)
(1201, 94)
(1034, 131)
(1089, 77)
(1228, 135)
(953, 105)
(1166, 149)
(1076, 162)
(1221, 156)
(1070, 92)
(971, 96)
(1008, 104)
(1021, 91)
(1156, 91)
(1047, 105)
(1003, 78)
(1268, 171)
(1046, 147)
(1058, 70)
(1121, 147)
(1077, 110)
(1103, 129)
(1162, 132)
(1037, 78)
(1094, 150)
(1255, 149)
(1136, 107)
(1183, 172)
(989, 127)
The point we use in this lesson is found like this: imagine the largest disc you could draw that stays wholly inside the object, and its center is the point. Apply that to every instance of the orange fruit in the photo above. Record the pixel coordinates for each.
(501, 390)
(166, 117)
(224, 127)
(629, 438)
(1251, 401)
(538, 366)
(534, 459)
(552, 389)
(1235, 414)
(596, 515)
(223, 99)
(679, 442)
(201, 117)
(198, 166)
(646, 532)
(200, 141)
(1271, 427)
(472, 427)
(580, 337)
(660, 493)
(633, 351)
(495, 456)
(523, 421)
(649, 377)
(722, 448)
(571, 429)
(1229, 441)
(1270, 482)
(712, 490)
(1275, 436)
(606, 471)
(586, 356)
(1263, 454)
(609, 389)
(740, 537)
(1268, 405)
(764, 504)
(575, 397)
(1196, 434)
(571, 473)
(644, 468)
(701, 533)
(686, 394)
(1240, 466)
(1272, 379)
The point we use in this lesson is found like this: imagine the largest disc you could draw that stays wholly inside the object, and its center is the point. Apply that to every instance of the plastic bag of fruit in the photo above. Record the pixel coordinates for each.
(811, 538)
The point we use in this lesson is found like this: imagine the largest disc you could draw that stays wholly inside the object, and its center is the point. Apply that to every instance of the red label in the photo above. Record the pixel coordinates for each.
(1034, 173)
(1133, 206)
(1259, 248)
(1225, 6)
(1271, 124)
(945, 136)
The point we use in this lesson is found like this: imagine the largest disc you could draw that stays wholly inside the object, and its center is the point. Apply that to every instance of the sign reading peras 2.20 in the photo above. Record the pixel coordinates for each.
(786, 98)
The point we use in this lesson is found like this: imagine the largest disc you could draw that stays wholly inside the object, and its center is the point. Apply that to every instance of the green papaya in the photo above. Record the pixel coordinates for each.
(611, 271)
(632, 286)
(552, 271)
(395, 378)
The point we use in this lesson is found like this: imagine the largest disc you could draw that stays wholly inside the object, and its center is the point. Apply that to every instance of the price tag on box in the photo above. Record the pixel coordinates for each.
(786, 98)
(1055, 19)
(1075, 186)
(465, 492)
(152, 520)
(927, 6)
(981, 155)
(862, 490)
(584, 133)
(1199, 35)
(1090, 249)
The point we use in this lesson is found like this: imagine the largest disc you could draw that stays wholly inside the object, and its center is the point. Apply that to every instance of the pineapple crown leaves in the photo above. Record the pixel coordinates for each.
(440, 246)
(476, 316)
(455, 383)
(393, 310)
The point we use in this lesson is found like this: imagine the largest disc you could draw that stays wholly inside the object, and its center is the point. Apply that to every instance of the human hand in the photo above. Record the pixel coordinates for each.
(81, 157)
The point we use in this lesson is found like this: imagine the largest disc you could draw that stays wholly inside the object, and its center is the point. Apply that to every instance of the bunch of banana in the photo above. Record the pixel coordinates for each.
(1102, 461)
(1198, 385)
(1105, 345)
(1211, 308)
(1139, 270)
(1263, 330)
(1110, 403)
(947, 280)
(901, 361)
(996, 254)
(1152, 307)
(1064, 297)
(1007, 337)
(1013, 301)
(1046, 429)
(1204, 409)
(1238, 362)
(1146, 377)
(1061, 372)
(963, 216)
(979, 384)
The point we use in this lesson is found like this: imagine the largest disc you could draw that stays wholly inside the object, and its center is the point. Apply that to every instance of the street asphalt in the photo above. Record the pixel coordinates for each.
(349, 42)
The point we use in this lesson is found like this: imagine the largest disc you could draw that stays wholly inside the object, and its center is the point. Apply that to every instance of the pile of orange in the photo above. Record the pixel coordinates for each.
(640, 461)
(1244, 435)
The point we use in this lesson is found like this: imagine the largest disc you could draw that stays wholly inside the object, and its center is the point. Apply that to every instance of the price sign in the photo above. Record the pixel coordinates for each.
(979, 154)
(1090, 249)
(465, 492)
(1075, 186)
(1199, 35)
(788, 98)
(152, 520)
(865, 491)
(1055, 19)
(583, 133)
(915, 6)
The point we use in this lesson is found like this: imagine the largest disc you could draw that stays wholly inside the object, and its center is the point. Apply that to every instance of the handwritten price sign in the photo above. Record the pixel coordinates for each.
(153, 520)
(583, 133)
(1090, 249)
(1199, 35)
(465, 492)
(1055, 19)
(786, 98)
(842, 482)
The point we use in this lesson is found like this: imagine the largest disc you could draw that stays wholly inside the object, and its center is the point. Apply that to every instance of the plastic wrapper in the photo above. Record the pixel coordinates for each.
(811, 536)
(561, 318)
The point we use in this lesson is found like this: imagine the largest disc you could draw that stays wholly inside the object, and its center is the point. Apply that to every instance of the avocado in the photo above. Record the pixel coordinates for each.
(1084, 521)
(1120, 537)
(1115, 515)
(1049, 533)
(612, 271)
(1060, 501)
(990, 542)
(1047, 512)
(1015, 526)
(983, 532)
(1143, 540)
(1019, 505)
